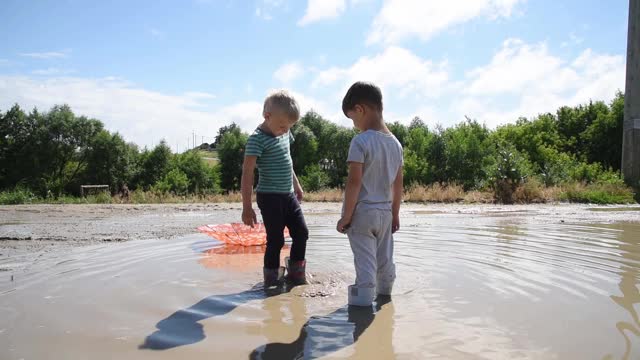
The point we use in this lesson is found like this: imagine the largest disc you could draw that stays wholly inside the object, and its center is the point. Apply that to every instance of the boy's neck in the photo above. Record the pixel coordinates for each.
(265, 128)
(375, 122)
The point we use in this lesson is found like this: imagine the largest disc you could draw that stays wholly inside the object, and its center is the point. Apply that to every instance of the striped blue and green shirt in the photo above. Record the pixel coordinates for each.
(275, 167)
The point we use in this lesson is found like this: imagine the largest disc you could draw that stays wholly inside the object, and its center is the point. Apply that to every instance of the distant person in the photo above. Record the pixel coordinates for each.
(370, 212)
(278, 193)
(125, 192)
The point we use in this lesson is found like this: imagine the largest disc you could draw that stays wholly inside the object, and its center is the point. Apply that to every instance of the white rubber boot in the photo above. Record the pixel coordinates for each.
(361, 296)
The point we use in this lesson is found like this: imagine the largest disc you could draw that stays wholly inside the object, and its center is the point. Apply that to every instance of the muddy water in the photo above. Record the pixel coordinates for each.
(484, 287)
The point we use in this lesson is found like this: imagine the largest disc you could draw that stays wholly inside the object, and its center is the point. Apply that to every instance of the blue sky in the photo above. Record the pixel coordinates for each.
(164, 69)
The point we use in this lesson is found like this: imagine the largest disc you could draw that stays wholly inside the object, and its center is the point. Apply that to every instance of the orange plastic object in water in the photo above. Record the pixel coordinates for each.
(236, 257)
(238, 234)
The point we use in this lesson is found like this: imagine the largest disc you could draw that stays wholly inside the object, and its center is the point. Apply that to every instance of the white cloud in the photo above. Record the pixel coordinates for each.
(140, 115)
(198, 95)
(265, 8)
(575, 39)
(288, 72)
(156, 33)
(395, 70)
(261, 14)
(401, 19)
(430, 115)
(538, 82)
(515, 68)
(51, 71)
(332, 113)
(48, 54)
(318, 10)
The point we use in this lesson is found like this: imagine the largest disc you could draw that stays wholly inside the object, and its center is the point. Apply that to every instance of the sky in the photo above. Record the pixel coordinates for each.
(159, 69)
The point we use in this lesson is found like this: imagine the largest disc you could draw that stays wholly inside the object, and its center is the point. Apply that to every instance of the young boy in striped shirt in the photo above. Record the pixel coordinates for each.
(278, 193)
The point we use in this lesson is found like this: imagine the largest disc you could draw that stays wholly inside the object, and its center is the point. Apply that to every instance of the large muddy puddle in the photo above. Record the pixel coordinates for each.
(493, 288)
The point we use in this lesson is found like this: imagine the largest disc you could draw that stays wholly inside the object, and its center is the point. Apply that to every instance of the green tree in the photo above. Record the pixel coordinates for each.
(573, 122)
(399, 131)
(416, 167)
(336, 159)
(510, 169)
(154, 165)
(324, 132)
(304, 150)
(223, 130)
(468, 153)
(314, 178)
(603, 137)
(231, 156)
(193, 166)
(17, 149)
(174, 181)
(111, 161)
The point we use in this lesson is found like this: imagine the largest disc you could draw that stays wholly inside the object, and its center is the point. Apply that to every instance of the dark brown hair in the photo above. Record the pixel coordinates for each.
(362, 93)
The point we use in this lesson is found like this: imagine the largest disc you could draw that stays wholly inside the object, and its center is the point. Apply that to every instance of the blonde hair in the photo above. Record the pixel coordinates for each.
(281, 100)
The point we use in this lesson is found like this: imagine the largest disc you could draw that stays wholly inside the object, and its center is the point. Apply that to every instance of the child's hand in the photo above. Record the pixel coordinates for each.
(395, 224)
(249, 217)
(343, 225)
(299, 192)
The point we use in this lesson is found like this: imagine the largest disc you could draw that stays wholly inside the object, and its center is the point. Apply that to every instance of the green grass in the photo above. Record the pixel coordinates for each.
(209, 157)
(16, 196)
(601, 193)
(598, 194)
(22, 196)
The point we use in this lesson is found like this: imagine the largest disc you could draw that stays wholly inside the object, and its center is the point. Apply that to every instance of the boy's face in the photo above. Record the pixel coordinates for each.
(278, 122)
(357, 116)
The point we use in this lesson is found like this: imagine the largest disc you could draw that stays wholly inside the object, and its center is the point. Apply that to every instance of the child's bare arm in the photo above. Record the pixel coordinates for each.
(297, 188)
(352, 190)
(397, 199)
(246, 188)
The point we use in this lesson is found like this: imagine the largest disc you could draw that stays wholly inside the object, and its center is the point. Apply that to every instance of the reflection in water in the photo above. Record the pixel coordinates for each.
(323, 335)
(237, 258)
(628, 286)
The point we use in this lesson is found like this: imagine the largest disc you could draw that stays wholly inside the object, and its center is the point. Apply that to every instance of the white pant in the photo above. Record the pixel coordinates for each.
(372, 245)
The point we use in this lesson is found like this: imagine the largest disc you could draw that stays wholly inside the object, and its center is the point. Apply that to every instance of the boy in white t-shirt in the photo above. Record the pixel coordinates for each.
(370, 213)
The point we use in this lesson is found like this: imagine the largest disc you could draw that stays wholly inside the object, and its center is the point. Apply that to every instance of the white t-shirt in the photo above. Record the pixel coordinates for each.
(381, 156)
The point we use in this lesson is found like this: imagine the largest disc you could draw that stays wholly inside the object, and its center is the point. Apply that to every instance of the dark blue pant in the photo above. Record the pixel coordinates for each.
(278, 211)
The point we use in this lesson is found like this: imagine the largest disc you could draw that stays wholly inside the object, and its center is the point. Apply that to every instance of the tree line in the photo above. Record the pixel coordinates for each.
(53, 153)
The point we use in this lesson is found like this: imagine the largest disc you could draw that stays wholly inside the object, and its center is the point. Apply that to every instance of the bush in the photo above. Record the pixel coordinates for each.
(509, 171)
(16, 196)
(175, 181)
(555, 166)
(601, 193)
(435, 193)
(102, 198)
(315, 178)
(212, 185)
(139, 197)
(531, 191)
(585, 173)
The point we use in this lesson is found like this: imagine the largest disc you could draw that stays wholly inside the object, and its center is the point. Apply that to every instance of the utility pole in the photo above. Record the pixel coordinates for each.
(631, 132)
